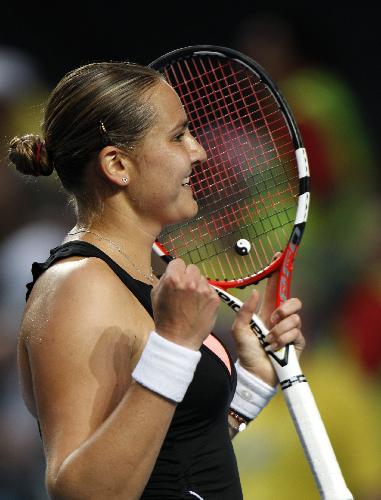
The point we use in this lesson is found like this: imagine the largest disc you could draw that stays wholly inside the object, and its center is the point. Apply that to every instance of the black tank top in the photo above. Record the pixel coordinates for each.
(196, 460)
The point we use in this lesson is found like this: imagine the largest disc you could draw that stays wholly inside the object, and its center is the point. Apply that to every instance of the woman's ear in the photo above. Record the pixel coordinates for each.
(114, 165)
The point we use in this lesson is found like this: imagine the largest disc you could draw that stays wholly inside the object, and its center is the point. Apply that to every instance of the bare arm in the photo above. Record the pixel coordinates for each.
(117, 460)
(102, 433)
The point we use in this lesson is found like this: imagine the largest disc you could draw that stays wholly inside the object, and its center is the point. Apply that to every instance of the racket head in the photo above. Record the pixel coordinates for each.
(253, 189)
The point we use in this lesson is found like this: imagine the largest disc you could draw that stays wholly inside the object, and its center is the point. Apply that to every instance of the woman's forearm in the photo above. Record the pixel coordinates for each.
(117, 460)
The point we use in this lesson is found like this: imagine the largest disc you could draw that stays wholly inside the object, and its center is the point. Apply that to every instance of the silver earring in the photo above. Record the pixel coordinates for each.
(125, 180)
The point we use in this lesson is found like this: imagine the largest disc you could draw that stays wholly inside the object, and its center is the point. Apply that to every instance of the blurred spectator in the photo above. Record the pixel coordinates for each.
(359, 319)
(342, 164)
(341, 294)
(33, 221)
(19, 81)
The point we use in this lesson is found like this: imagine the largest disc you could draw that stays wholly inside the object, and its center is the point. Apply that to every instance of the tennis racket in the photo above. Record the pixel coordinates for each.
(253, 198)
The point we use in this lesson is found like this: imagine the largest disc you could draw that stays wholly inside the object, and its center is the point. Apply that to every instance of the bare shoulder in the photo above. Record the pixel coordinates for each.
(76, 296)
(79, 308)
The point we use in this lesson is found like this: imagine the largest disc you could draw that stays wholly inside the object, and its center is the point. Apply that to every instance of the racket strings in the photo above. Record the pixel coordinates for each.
(213, 245)
(274, 141)
(235, 114)
(196, 225)
(205, 183)
(248, 186)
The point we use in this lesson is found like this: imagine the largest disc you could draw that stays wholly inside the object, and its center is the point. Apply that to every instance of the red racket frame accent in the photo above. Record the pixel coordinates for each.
(243, 282)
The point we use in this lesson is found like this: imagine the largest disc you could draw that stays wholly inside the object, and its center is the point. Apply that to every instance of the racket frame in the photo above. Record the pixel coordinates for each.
(285, 260)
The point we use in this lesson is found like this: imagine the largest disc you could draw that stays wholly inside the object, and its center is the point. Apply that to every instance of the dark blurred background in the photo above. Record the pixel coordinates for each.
(326, 62)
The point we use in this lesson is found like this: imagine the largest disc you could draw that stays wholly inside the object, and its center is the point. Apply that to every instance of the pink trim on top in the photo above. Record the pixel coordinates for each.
(215, 345)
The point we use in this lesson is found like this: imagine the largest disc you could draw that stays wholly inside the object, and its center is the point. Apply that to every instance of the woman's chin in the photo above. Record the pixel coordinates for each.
(188, 212)
(193, 209)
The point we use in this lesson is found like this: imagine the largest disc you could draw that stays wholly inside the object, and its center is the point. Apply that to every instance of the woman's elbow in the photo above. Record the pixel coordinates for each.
(65, 487)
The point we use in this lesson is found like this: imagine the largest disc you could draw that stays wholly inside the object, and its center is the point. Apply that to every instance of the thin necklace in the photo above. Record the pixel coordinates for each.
(149, 277)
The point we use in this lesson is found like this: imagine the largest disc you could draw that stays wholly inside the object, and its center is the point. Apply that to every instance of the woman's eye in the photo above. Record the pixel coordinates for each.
(179, 136)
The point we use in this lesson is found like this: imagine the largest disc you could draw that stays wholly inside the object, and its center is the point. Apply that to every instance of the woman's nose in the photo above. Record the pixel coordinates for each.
(198, 152)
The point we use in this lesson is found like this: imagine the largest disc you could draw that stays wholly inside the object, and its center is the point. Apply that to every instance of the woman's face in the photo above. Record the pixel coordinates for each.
(159, 187)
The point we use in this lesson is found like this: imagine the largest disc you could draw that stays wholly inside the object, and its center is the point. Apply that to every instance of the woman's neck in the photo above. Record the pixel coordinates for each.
(121, 235)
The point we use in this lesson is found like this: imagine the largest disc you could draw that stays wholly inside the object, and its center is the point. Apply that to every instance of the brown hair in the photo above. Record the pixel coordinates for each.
(91, 107)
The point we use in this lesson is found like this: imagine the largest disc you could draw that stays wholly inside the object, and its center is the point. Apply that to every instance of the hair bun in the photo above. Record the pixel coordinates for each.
(28, 154)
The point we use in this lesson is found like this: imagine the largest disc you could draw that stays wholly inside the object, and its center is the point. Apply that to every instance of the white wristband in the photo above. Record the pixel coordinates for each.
(252, 394)
(166, 368)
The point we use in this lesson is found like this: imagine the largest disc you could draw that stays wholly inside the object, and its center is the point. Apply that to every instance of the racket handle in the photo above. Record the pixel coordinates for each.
(316, 443)
(311, 430)
(307, 420)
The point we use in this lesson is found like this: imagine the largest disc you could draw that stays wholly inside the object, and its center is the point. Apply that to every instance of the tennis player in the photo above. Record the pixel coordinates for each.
(135, 398)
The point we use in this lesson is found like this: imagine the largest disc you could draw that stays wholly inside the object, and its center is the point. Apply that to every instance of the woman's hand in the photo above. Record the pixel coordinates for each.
(283, 322)
(185, 305)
